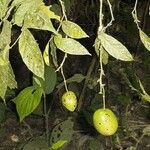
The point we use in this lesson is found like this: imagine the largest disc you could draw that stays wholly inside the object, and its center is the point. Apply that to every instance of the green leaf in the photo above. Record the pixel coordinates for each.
(24, 9)
(98, 48)
(17, 2)
(5, 36)
(39, 20)
(70, 46)
(46, 55)
(56, 9)
(58, 144)
(46, 10)
(31, 53)
(73, 30)
(49, 82)
(62, 131)
(145, 39)
(114, 47)
(75, 78)
(27, 100)
(68, 4)
(7, 78)
(3, 7)
(53, 52)
(145, 97)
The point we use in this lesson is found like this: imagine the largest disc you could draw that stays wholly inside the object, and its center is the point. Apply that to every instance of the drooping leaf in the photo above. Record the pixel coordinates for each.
(53, 52)
(49, 82)
(98, 48)
(31, 53)
(27, 100)
(58, 144)
(70, 46)
(7, 78)
(73, 30)
(75, 78)
(3, 81)
(3, 7)
(5, 36)
(24, 9)
(145, 39)
(46, 55)
(114, 47)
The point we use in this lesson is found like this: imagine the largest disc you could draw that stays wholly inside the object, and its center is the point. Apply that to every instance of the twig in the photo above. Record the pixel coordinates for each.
(62, 72)
(100, 16)
(62, 63)
(7, 14)
(46, 115)
(134, 14)
(63, 9)
(112, 16)
(15, 42)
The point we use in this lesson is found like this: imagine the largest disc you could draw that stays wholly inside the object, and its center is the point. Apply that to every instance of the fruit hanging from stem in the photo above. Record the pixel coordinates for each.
(105, 121)
(69, 100)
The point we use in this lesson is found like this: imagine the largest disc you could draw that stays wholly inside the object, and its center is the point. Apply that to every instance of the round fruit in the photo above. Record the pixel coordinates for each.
(105, 121)
(69, 100)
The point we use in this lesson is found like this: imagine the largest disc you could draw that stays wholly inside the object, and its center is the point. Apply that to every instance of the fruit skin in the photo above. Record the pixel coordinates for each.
(69, 100)
(105, 121)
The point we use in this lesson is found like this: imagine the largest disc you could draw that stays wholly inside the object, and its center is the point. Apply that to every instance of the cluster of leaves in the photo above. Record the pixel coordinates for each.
(34, 15)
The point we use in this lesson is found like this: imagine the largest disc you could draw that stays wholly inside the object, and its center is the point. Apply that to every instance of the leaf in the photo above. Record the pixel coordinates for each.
(7, 78)
(3, 7)
(145, 97)
(73, 30)
(39, 20)
(70, 46)
(145, 39)
(114, 47)
(75, 78)
(68, 4)
(27, 100)
(49, 82)
(46, 55)
(24, 9)
(63, 131)
(56, 9)
(5, 36)
(98, 48)
(58, 144)
(31, 53)
(17, 2)
(53, 53)
(46, 10)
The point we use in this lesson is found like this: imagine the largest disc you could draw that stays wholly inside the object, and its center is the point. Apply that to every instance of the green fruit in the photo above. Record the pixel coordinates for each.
(105, 121)
(69, 100)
